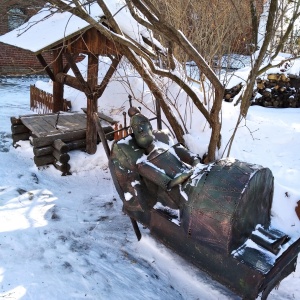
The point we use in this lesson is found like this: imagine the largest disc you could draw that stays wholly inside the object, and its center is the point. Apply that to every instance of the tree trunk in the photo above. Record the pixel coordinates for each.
(178, 131)
(92, 104)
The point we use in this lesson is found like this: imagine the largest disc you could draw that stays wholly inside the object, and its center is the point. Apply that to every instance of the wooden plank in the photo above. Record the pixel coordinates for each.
(38, 128)
(60, 146)
(78, 144)
(68, 121)
(102, 116)
(43, 160)
(20, 137)
(35, 124)
(37, 115)
(15, 129)
(65, 137)
(81, 117)
(42, 126)
(49, 120)
(71, 122)
(45, 125)
(61, 157)
(63, 114)
(41, 151)
(42, 138)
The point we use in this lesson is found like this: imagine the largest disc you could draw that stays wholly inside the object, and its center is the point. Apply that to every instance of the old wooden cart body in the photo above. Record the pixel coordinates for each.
(221, 222)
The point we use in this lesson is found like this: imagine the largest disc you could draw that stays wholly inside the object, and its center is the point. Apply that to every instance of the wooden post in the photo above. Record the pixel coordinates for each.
(158, 114)
(101, 135)
(58, 88)
(92, 104)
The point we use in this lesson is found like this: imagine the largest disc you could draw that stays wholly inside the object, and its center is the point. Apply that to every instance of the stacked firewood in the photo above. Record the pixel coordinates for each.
(229, 94)
(277, 90)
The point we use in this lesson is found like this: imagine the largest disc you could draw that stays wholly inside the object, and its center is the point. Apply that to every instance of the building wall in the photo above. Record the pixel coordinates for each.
(18, 61)
(13, 60)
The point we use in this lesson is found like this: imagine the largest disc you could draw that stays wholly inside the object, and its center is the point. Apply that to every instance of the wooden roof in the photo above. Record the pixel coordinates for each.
(50, 28)
(90, 41)
(45, 30)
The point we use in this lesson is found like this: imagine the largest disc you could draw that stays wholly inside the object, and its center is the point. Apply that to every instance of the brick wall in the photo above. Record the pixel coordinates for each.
(13, 60)
(16, 61)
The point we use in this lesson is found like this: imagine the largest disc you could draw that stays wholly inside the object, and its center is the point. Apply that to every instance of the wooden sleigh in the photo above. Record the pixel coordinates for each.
(222, 227)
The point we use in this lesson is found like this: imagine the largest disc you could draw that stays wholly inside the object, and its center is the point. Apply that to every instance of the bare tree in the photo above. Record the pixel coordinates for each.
(188, 31)
(146, 14)
(268, 47)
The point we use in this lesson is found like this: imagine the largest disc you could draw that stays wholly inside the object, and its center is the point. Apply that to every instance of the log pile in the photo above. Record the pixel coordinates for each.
(56, 154)
(52, 149)
(277, 91)
(19, 131)
(229, 94)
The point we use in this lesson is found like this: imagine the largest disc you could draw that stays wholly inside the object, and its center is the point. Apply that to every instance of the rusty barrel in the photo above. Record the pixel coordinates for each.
(226, 200)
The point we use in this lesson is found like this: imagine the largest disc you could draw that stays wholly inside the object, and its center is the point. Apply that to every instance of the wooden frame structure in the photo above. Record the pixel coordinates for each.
(71, 38)
(64, 53)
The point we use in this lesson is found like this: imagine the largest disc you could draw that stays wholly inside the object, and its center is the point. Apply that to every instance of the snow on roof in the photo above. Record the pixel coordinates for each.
(44, 29)
(50, 27)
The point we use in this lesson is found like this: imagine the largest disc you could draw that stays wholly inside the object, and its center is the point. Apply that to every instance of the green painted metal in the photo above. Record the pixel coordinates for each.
(209, 214)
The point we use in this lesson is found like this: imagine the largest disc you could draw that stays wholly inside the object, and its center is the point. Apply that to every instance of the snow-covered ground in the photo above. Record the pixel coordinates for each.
(65, 237)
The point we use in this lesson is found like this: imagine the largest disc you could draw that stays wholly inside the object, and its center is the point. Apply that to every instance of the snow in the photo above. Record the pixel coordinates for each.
(48, 22)
(52, 21)
(66, 237)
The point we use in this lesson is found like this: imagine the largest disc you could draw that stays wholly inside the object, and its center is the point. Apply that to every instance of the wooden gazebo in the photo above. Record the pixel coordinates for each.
(64, 54)
(57, 43)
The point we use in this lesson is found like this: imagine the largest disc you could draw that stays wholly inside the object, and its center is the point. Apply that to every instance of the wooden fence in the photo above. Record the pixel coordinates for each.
(42, 102)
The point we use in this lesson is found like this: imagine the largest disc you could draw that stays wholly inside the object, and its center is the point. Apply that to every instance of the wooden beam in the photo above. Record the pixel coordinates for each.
(92, 103)
(65, 137)
(101, 134)
(78, 75)
(115, 62)
(69, 80)
(67, 65)
(46, 66)
(58, 88)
